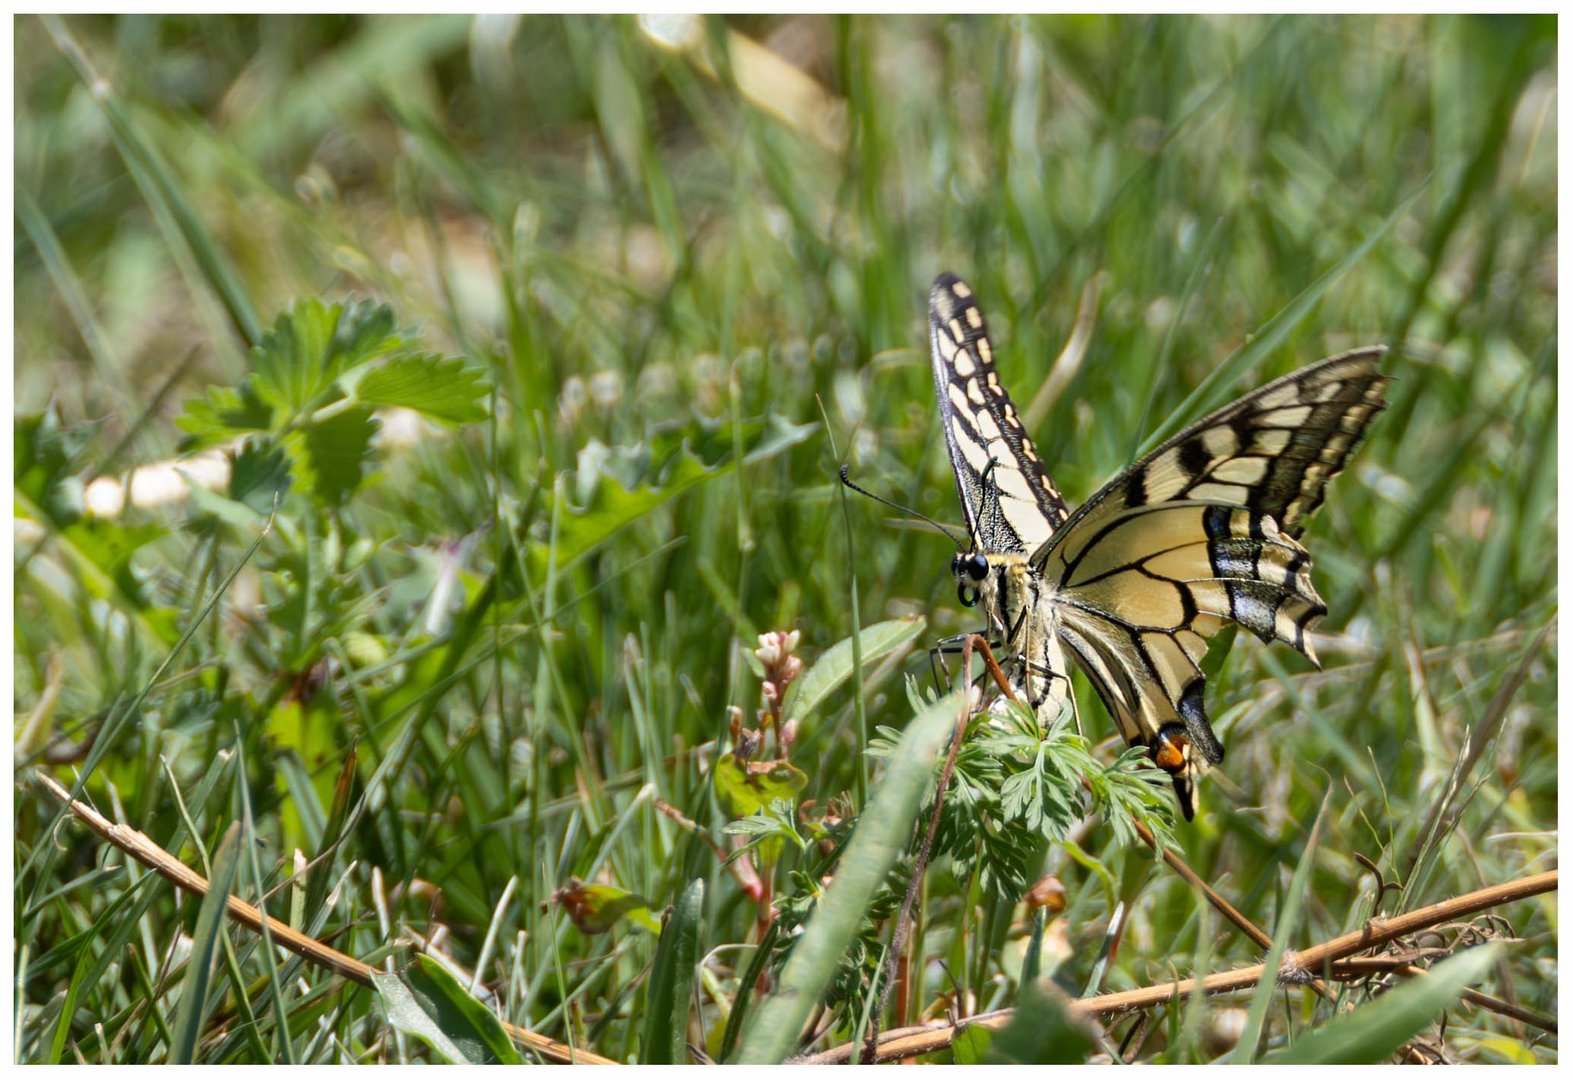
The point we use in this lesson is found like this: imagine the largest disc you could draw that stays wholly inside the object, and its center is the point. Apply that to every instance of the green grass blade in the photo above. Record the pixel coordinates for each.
(1218, 386)
(1288, 923)
(268, 957)
(672, 981)
(882, 834)
(204, 946)
(1374, 1032)
(106, 740)
(164, 195)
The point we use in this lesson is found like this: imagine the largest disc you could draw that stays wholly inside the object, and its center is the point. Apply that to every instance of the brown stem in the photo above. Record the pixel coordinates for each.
(143, 850)
(910, 1042)
(898, 940)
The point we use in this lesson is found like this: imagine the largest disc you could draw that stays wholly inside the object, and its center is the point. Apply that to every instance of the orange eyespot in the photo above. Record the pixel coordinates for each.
(1171, 750)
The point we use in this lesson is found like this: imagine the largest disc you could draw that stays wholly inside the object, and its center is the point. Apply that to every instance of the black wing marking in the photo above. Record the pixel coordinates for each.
(1204, 531)
(1009, 501)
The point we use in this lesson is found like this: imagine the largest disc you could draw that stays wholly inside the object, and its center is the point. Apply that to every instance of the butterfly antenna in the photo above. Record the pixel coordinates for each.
(903, 509)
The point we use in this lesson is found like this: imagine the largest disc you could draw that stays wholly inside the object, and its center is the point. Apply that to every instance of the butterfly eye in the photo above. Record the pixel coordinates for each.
(967, 594)
(977, 566)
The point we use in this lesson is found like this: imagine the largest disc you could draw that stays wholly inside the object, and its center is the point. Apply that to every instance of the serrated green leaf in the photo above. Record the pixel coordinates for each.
(835, 666)
(439, 388)
(312, 344)
(44, 465)
(365, 331)
(672, 980)
(258, 474)
(334, 454)
(745, 787)
(225, 412)
(290, 367)
(1373, 1032)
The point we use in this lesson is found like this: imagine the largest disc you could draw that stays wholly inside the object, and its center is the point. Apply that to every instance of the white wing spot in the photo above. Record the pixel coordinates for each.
(958, 399)
(1270, 441)
(1228, 494)
(986, 425)
(1220, 441)
(1289, 417)
(1241, 470)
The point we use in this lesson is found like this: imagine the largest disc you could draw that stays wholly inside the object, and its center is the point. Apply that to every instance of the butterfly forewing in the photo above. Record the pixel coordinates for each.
(1010, 503)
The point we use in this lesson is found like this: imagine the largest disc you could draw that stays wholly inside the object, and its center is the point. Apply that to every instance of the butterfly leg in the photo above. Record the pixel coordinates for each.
(1049, 675)
(952, 645)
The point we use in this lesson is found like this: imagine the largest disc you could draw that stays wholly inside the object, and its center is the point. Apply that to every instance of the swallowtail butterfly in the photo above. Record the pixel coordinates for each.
(1200, 532)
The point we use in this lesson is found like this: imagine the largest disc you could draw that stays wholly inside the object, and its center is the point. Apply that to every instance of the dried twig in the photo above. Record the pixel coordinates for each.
(145, 851)
(910, 1042)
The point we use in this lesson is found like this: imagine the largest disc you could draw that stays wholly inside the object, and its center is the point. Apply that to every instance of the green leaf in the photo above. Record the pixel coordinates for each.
(595, 909)
(314, 343)
(619, 485)
(1374, 1032)
(101, 551)
(972, 1045)
(1042, 1032)
(834, 667)
(409, 1015)
(221, 415)
(672, 981)
(44, 465)
(471, 1027)
(289, 366)
(745, 787)
(334, 454)
(192, 1010)
(258, 474)
(878, 841)
(364, 331)
(440, 389)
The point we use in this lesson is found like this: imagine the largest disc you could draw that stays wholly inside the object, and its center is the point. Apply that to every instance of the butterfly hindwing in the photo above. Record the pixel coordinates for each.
(1009, 501)
(1204, 531)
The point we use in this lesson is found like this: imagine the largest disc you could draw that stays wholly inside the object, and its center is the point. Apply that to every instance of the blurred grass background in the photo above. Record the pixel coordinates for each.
(692, 258)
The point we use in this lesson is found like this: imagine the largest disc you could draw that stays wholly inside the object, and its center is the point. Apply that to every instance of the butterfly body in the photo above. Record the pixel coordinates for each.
(1202, 532)
(1012, 596)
